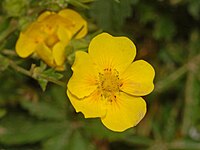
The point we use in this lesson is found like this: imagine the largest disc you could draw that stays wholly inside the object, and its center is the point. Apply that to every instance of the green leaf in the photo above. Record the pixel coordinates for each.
(97, 129)
(79, 44)
(59, 99)
(43, 76)
(69, 139)
(78, 3)
(58, 142)
(164, 28)
(37, 71)
(78, 142)
(194, 8)
(138, 140)
(147, 13)
(103, 11)
(52, 74)
(2, 112)
(15, 8)
(43, 83)
(19, 129)
(43, 110)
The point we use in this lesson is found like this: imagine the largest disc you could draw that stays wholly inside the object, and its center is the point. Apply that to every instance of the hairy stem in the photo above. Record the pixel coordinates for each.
(28, 73)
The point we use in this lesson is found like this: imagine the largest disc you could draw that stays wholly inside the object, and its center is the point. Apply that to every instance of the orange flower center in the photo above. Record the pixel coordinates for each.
(109, 83)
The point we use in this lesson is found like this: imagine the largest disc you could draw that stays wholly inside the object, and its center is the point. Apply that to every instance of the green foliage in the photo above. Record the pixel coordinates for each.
(27, 130)
(166, 33)
(164, 29)
(43, 75)
(3, 63)
(15, 8)
(121, 9)
(40, 109)
(4, 24)
(194, 8)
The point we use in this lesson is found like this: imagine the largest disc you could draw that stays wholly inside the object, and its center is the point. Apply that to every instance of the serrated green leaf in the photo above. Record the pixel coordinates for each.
(43, 66)
(43, 76)
(43, 110)
(42, 83)
(58, 97)
(19, 129)
(111, 8)
(97, 129)
(78, 142)
(52, 74)
(58, 142)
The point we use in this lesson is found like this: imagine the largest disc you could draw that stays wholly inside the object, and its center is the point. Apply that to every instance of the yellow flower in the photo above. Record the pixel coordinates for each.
(49, 35)
(107, 84)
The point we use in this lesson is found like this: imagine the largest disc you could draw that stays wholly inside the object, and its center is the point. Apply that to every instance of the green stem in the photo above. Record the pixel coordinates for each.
(169, 80)
(190, 101)
(189, 104)
(19, 69)
(60, 83)
(9, 52)
(28, 73)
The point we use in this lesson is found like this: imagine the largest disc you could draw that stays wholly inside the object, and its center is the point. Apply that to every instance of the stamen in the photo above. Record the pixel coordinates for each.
(109, 83)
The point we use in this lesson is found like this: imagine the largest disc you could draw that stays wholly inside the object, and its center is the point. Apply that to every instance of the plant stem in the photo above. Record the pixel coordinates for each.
(60, 83)
(19, 69)
(28, 73)
(169, 80)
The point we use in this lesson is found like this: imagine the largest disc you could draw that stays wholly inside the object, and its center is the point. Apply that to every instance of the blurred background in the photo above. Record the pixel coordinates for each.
(166, 34)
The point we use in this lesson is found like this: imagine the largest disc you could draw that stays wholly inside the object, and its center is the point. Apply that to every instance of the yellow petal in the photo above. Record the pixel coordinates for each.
(64, 35)
(127, 111)
(44, 15)
(91, 106)
(78, 22)
(60, 68)
(138, 78)
(25, 46)
(112, 52)
(84, 79)
(34, 30)
(59, 53)
(45, 54)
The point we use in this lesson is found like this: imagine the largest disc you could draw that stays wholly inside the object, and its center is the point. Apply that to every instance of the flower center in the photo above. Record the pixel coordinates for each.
(51, 41)
(109, 83)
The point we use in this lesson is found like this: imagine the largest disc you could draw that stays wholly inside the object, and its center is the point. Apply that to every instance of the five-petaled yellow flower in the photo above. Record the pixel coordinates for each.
(107, 84)
(50, 34)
